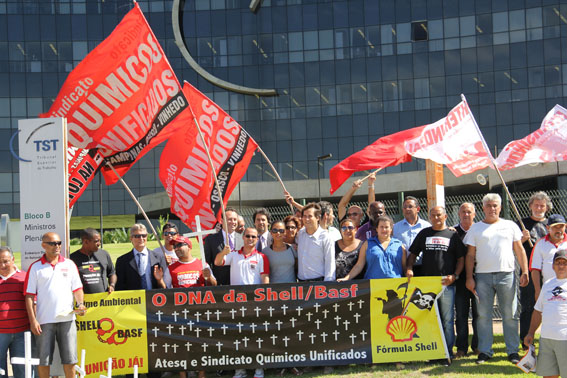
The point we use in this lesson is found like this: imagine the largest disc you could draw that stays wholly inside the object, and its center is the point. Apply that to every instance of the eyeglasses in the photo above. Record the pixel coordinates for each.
(290, 228)
(138, 236)
(170, 233)
(353, 214)
(350, 228)
(178, 245)
(278, 230)
(250, 236)
(53, 244)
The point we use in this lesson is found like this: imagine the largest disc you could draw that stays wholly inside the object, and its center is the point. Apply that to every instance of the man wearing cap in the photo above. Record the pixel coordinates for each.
(549, 311)
(541, 263)
(188, 271)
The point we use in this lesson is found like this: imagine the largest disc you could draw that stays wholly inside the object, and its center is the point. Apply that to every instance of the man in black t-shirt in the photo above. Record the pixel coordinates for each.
(94, 264)
(442, 255)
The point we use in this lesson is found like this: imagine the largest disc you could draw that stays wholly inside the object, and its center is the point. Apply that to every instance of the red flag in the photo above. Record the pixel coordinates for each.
(121, 96)
(185, 171)
(385, 152)
(82, 167)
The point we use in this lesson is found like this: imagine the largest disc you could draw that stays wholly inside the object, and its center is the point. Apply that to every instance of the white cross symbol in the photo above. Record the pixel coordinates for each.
(350, 304)
(293, 320)
(257, 311)
(299, 334)
(153, 346)
(266, 324)
(318, 322)
(182, 329)
(352, 337)
(159, 314)
(166, 346)
(210, 329)
(80, 369)
(199, 234)
(109, 369)
(197, 331)
(360, 303)
(174, 346)
(316, 305)
(273, 337)
(224, 327)
(336, 307)
(135, 372)
(363, 333)
(299, 309)
(204, 346)
(270, 310)
(208, 313)
(337, 318)
(336, 333)
(259, 341)
(325, 312)
(285, 340)
(197, 316)
(243, 311)
(279, 323)
(239, 325)
(356, 316)
(232, 312)
(312, 337)
(346, 323)
(174, 313)
(236, 343)
(188, 345)
(185, 312)
(155, 329)
(169, 328)
(324, 336)
(218, 314)
(284, 308)
(219, 345)
(190, 324)
(309, 315)
(253, 327)
(245, 341)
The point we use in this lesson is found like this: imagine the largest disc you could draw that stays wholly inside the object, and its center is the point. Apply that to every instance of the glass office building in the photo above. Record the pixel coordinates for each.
(346, 72)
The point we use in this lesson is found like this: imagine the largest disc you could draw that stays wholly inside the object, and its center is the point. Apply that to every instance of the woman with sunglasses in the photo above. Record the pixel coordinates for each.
(347, 249)
(382, 255)
(292, 225)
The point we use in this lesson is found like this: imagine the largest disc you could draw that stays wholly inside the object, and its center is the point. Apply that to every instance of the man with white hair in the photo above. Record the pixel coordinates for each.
(492, 245)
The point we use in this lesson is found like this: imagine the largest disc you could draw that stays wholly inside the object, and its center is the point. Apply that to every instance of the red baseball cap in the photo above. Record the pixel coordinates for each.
(181, 239)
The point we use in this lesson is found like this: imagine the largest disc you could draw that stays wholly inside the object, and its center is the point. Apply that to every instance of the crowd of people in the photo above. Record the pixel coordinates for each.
(474, 260)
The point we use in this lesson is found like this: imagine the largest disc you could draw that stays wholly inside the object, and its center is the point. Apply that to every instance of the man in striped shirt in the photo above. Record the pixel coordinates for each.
(13, 315)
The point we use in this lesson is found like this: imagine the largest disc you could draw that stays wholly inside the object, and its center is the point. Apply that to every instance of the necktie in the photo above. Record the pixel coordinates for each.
(230, 242)
(142, 272)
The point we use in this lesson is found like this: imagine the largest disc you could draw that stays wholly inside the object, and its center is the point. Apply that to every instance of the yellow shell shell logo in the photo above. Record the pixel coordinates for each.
(401, 328)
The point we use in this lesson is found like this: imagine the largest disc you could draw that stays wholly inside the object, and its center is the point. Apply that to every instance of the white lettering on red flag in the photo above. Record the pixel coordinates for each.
(453, 141)
(546, 144)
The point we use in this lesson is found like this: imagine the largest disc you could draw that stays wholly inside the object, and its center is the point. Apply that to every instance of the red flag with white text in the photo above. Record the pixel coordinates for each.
(184, 168)
(82, 166)
(546, 144)
(452, 141)
(385, 152)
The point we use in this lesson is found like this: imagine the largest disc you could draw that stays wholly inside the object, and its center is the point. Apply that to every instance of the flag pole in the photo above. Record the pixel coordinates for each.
(273, 169)
(492, 160)
(138, 204)
(370, 174)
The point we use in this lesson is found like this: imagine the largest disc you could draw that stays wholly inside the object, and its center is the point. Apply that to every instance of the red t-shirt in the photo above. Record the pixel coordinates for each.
(13, 314)
(187, 274)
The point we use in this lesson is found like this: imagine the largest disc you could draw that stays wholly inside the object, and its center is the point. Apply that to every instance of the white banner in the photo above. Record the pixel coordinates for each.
(546, 144)
(453, 141)
(44, 194)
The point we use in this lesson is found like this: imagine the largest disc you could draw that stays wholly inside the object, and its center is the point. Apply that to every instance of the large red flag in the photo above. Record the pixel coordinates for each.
(184, 169)
(121, 96)
(385, 152)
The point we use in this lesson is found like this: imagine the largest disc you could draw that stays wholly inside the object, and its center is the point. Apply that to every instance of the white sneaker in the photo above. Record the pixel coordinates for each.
(239, 373)
(259, 373)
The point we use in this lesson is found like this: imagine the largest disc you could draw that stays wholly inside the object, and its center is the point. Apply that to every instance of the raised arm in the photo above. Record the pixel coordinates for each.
(342, 207)
(371, 193)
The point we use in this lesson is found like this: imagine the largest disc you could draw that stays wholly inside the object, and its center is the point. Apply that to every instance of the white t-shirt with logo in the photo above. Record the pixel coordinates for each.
(552, 303)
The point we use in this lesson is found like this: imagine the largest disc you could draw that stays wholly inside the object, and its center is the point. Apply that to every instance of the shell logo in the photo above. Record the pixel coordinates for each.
(401, 328)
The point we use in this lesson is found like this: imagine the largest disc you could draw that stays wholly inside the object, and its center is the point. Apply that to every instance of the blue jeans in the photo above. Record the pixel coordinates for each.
(15, 343)
(446, 303)
(503, 284)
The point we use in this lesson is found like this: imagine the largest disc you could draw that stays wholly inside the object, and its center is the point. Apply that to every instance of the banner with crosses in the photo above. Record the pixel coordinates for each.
(268, 326)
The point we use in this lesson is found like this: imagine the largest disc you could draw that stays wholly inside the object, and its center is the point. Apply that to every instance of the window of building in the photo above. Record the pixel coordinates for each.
(419, 31)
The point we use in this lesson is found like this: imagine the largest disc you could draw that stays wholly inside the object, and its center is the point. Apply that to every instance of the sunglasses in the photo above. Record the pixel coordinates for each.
(139, 236)
(278, 230)
(170, 233)
(178, 245)
(53, 244)
(290, 228)
(350, 228)
(250, 236)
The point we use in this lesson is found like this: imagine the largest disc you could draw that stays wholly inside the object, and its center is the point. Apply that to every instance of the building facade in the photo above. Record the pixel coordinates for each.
(345, 73)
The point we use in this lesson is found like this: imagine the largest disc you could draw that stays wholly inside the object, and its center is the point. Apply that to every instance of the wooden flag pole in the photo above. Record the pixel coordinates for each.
(514, 208)
(275, 172)
(370, 174)
(139, 206)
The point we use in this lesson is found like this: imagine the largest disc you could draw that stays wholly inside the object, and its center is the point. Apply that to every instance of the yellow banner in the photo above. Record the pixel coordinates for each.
(114, 327)
(405, 324)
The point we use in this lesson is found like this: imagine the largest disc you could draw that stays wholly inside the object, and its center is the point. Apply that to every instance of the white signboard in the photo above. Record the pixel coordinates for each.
(43, 184)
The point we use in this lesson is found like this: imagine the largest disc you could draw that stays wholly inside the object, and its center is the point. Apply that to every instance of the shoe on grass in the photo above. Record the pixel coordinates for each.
(482, 358)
